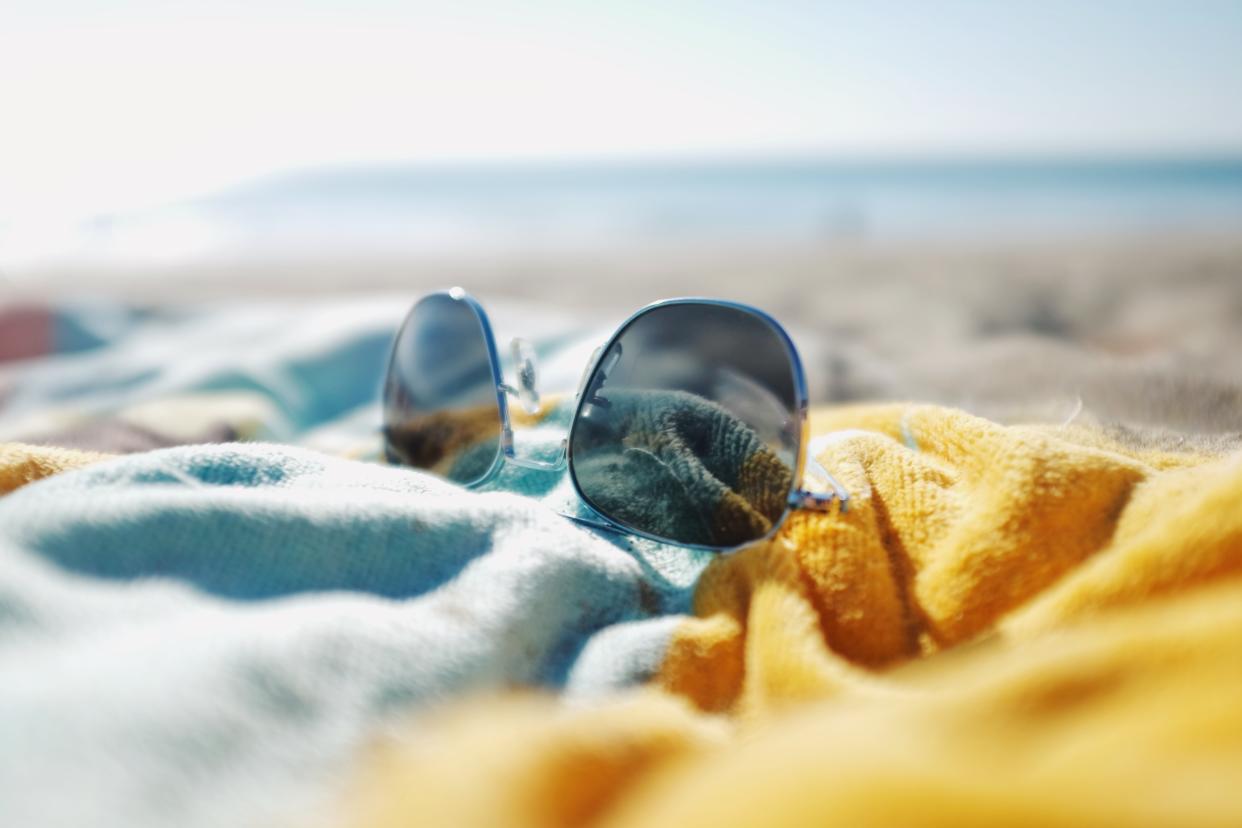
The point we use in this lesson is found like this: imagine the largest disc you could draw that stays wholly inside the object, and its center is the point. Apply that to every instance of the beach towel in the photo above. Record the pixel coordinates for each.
(208, 633)
(1010, 624)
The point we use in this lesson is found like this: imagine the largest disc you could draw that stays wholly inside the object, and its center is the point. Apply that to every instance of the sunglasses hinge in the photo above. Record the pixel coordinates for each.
(818, 501)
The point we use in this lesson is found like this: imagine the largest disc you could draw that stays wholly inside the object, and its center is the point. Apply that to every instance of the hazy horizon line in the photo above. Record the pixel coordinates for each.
(759, 160)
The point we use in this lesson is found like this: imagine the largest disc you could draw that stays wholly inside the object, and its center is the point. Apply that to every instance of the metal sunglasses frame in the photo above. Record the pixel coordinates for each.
(799, 498)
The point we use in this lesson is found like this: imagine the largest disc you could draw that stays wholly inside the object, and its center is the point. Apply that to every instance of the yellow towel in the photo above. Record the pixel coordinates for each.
(1010, 626)
(21, 464)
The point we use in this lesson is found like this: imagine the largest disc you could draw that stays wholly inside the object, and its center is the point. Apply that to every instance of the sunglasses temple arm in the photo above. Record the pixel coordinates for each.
(801, 498)
(598, 524)
(525, 391)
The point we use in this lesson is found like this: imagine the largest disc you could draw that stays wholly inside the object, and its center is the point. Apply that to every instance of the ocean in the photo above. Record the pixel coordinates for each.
(489, 209)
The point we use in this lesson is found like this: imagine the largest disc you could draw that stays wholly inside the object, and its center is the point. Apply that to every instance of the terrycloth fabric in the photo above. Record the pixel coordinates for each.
(205, 635)
(1131, 720)
(1009, 626)
(1099, 582)
(21, 464)
(944, 540)
(263, 371)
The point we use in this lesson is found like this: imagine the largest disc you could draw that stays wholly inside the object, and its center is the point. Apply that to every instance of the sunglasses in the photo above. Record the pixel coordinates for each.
(689, 424)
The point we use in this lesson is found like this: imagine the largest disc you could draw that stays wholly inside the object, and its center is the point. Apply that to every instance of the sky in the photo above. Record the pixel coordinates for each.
(117, 104)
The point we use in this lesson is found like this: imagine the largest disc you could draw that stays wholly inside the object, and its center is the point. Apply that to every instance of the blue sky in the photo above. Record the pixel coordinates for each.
(123, 102)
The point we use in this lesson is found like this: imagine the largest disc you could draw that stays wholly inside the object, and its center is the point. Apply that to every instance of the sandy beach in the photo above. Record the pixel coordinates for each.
(1137, 331)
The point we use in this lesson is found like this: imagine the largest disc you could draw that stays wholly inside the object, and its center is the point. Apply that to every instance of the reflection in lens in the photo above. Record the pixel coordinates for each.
(440, 406)
(688, 429)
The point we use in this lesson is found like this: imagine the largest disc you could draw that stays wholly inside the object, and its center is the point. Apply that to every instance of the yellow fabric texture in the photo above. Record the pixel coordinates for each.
(21, 464)
(1009, 626)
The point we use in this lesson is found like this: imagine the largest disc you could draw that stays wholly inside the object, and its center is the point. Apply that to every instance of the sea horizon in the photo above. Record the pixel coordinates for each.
(406, 208)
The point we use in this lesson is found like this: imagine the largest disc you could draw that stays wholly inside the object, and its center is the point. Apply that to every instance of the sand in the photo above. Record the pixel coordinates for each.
(1142, 333)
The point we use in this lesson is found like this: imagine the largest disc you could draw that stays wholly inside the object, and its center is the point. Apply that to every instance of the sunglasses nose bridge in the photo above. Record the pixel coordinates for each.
(556, 462)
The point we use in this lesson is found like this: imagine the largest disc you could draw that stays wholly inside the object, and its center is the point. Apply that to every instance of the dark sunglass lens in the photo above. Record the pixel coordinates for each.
(689, 429)
(440, 406)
